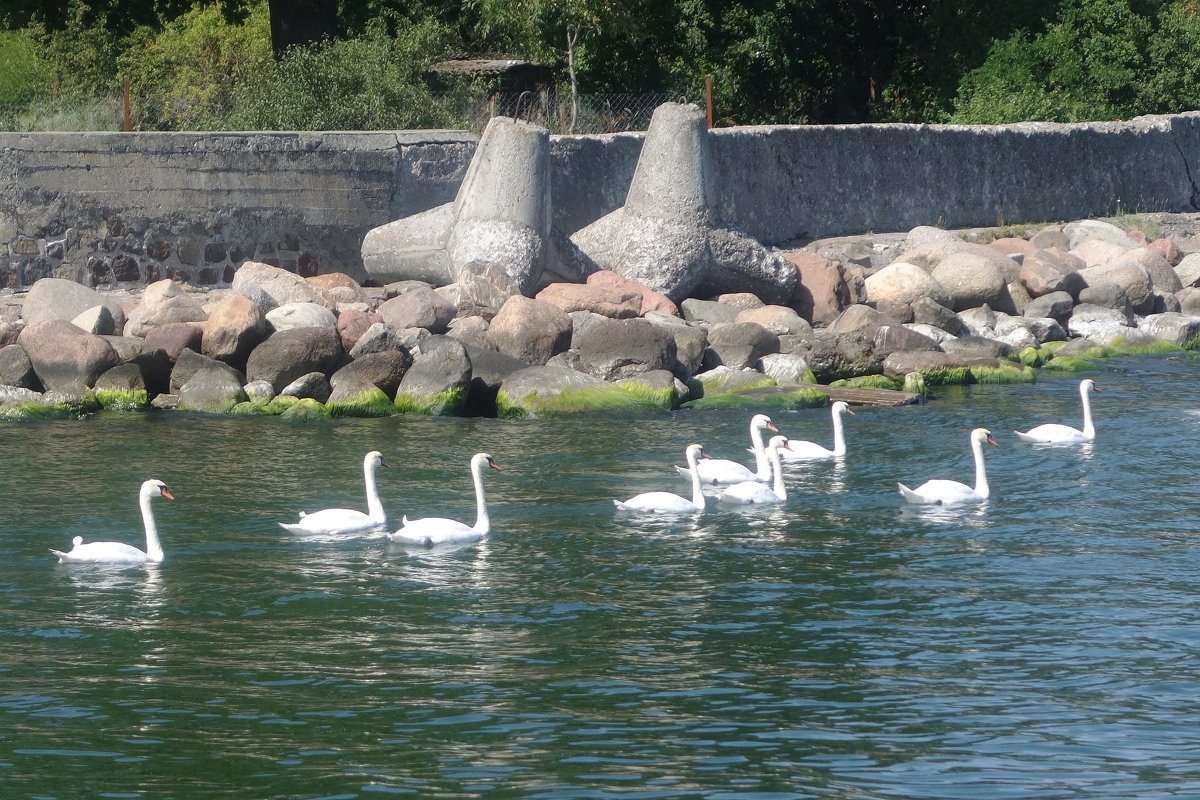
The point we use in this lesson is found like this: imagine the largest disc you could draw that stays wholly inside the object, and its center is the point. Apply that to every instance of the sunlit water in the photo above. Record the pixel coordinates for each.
(843, 645)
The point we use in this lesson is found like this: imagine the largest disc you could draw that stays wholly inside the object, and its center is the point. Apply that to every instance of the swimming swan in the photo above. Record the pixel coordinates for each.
(723, 470)
(950, 493)
(119, 552)
(347, 520)
(666, 502)
(440, 530)
(799, 450)
(748, 492)
(1054, 433)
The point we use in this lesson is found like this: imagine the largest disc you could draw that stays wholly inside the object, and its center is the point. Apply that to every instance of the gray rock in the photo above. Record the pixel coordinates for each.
(311, 385)
(927, 311)
(1026, 331)
(903, 282)
(287, 355)
(164, 302)
(384, 370)
(707, 311)
(1099, 323)
(973, 280)
(270, 287)
(833, 356)
(379, 338)
(64, 357)
(440, 366)
(1133, 279)
(966, 347)
(1175, 328)
(776, 319)
(614, 349)
(1108, 295)
(121, 378)
(214, 386)
(186, 366)
(890, 338)
(260, 391)
(738, 344)
(1188, 270)
(154, 362)
(489, 368)
(55, 298)
(301, 315)
(899, 364)
(16, 369)
(420, 308)
(785, 368)
(546, 381)
(98, 320)
(861, 319)
(1056, 305)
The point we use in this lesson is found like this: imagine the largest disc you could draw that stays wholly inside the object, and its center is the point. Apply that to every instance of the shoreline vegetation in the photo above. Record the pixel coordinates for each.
(885, 318)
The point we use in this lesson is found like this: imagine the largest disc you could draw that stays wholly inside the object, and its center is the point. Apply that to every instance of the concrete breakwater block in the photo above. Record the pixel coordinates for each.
(667, 235)
(501, 215)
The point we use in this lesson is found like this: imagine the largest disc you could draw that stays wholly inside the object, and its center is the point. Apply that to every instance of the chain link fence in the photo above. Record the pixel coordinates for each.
(555, 111)
(590, 113)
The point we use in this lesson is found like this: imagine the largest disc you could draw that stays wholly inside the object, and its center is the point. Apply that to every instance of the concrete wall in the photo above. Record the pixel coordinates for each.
(105, 208)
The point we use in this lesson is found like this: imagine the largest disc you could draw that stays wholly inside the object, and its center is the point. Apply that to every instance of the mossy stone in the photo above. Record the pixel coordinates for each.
(442, 404)
(1031, 357)
(279, 404)
(1004, 373)
(869, 382)
(765, 398)
(661, 398)
(948, 376)
(305, 409)
(607, 398)
(1070, 364)
(371, 402)
(35, 411)
(123, 399)
(1118, 348)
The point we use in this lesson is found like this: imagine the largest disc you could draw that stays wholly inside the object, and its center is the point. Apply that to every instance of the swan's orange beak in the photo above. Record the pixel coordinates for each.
(771, 427)
(167, 493)
(493, 465)
(383, 463)
(991, 440)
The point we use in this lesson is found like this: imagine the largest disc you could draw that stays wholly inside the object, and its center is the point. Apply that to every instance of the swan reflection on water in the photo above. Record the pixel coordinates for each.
(114, 595)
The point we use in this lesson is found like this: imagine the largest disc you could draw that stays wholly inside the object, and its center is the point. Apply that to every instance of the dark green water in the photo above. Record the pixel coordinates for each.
(843, 645)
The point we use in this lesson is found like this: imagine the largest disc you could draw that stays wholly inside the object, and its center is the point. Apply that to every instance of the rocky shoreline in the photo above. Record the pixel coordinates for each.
(901, 311)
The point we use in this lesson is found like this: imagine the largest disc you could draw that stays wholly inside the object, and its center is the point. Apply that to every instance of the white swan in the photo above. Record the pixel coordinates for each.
(950, 493)
(748, 492)
(440, 530)
(119, 552)
(666, 502)
(347, 520)
(799, 450)
(1054, 433)
(723, 470)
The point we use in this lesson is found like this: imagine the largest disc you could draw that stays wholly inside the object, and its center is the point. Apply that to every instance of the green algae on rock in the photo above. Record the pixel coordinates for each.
(123, 399)
(763, 398)
(306, 409)
(870, 382)
(442, 404)
(602, 397)
(370, 402)
(1002, 372)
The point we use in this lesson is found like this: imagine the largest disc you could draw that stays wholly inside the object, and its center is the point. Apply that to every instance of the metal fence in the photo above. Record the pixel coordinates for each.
(590, 113)
(555, 111)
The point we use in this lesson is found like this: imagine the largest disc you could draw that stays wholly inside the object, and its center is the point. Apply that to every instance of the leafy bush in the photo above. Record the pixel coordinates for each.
(374, 81)
(185, 73)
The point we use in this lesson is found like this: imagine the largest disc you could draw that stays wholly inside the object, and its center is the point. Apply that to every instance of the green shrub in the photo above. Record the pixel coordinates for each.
(24, 75)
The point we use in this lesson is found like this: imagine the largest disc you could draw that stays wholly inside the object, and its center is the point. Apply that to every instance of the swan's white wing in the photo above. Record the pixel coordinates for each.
(333, 520)
(435, 530)
(1053, 433)
(748, 492)
(103, 553)
(941, 492)
(660, 502)
(799, 450)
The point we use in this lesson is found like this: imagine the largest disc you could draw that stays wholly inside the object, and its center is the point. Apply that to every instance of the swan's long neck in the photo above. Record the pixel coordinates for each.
(697, 490)
(482, 523)
(374, 504)
(1089, 428)
(762, 464)
(777, 468)
(981, 481)
(153, 547)
(839, 435)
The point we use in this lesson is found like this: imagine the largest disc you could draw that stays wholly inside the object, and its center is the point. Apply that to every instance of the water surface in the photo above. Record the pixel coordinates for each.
(843, 645)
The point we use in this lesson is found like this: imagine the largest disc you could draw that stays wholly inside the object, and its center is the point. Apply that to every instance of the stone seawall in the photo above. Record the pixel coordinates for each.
(111, 209)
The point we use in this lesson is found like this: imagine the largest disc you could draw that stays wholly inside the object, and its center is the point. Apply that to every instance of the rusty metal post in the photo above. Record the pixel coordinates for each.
(125, 123)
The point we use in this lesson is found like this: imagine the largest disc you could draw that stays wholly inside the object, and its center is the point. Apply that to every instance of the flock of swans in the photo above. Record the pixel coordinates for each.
(737, 483)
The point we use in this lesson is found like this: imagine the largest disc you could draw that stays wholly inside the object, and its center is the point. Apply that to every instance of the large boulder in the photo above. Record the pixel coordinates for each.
(1178, 329)
(65, 358)
(651, 300)
(164, 302)
(777, 319)
(301, 315)
(1098, 323)
(378, 338)
(98, 320)
(271, 287)
(1130, 276)
(1046, 271)
(739, 344)
(607, 302)
(825, 287)
(690, 342)
(236, 325)
(340, 287)
(530, 330)
(286, 355)
(175, 337)
(213, 386)
(480, 290)
(352, 323)
(384, 369)
(153, 362)
(902, 282)
(438, 381)
(614, 349)
(56, 298)
(17, 370)
(419, 308)
(972, 281)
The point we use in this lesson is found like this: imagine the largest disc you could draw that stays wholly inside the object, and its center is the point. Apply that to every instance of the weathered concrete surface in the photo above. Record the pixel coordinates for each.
(108, 209)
